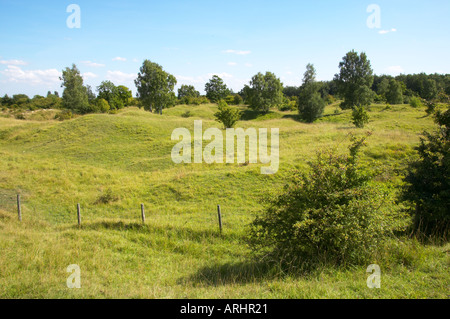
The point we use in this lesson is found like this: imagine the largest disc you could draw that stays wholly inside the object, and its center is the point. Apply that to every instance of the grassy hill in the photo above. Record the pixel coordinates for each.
(111, 163)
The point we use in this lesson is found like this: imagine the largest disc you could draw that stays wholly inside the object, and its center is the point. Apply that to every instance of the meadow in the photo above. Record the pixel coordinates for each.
(111, 163)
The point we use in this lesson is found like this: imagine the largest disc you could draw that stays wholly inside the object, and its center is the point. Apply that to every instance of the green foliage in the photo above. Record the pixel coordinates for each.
(310, 102)
(415, 102)
(64, 115)
(264, 92)
(155, 87)
(428, 181)
(124, 95)
(431, 107)
(355, 80)
(187, 91)
(311, 105)
(334, 213)
(360, 117)
(75, 97)
(216, 89)
(227, 115)
(394, 94)
(103, 105)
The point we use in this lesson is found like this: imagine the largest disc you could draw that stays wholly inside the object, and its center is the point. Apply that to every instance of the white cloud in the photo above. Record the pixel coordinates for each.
(387, 31)
(119, 77)
(13, 62)
(93, 64)
(238, 52)
(248, 65)
(232, 63)
(119, 59)
(89, 75)
(395, 70)
(15, 74)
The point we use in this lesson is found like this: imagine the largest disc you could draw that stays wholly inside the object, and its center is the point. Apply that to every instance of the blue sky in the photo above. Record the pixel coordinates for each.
(194, 40)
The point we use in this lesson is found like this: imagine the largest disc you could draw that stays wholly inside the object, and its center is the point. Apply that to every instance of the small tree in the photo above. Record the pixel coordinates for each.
(360, 117)
(333, 213)
(428, 181)
(355, 78)
(227, 115)
(75, 96)
(394, 93)
(265, 91)
(216, 90)
(155, 87)
(310, 102)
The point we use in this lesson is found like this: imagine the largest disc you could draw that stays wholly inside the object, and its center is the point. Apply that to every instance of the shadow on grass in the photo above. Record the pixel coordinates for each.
(251, 271)
(178, 232)
(249, 114)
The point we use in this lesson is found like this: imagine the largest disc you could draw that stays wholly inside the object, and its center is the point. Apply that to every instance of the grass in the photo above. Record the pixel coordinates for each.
(110, 164)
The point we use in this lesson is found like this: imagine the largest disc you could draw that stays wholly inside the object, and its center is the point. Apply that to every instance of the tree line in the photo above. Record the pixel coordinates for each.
(355, 84)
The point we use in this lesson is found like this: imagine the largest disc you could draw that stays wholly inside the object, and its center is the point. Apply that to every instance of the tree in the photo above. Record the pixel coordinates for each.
(124, 95)
(216, 90)
(75, 95)
(383, 88)
(428, 181)
(91, 94)
(155, 87)
(429, 91)
(227, 115)
(394, 93)
(187, 91)
(310, 102)
(109, 92)
(355, 76)
(264, 92)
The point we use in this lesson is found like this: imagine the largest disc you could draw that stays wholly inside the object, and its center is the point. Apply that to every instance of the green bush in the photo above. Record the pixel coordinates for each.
(103, 105)
(334, 213)
(227, 115)
(360, 117)
(415, 102)
(431, 107)
(428, 181)
(64, 115)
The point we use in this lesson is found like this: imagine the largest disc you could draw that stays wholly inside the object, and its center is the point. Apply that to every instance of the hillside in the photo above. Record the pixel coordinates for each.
(111, 163)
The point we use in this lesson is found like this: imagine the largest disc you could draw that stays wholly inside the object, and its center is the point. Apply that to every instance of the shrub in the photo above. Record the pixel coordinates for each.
(360, 117)
(415, 102)
(64, 115)
(428, 181)
(103, 105)
(334, 213)
(227, 115)
(431, 107)
(311, 106)
(186, 114)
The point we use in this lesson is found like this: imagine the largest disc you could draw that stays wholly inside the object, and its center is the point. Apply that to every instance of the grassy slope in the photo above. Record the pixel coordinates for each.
(178, 253)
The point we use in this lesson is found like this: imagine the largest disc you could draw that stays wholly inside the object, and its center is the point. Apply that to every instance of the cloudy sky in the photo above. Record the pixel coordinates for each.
(194, 40)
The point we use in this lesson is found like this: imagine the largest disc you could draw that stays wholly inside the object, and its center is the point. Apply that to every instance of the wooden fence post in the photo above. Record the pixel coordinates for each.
(143, 213)
(19, 212)
(220, 218)
(79, 215)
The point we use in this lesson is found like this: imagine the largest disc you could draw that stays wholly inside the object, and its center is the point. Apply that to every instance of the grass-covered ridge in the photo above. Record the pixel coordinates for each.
(111, 163)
